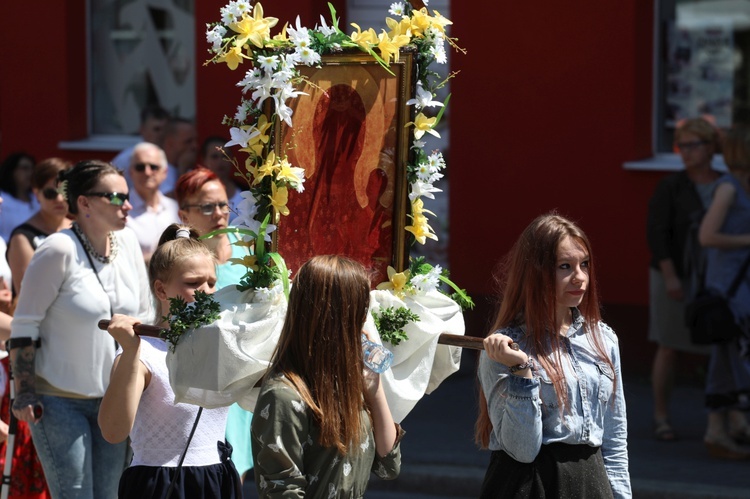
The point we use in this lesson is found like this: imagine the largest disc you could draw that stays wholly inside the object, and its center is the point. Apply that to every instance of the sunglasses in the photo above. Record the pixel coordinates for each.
(50, 193)
(114, 198)
(209, 208)
(141, 167)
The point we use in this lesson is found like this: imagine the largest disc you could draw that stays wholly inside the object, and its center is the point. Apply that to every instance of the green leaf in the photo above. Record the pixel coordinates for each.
(390, 323)
(183, 317)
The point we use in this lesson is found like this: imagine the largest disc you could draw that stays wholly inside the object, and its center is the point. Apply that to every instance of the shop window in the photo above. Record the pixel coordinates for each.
(702, 65)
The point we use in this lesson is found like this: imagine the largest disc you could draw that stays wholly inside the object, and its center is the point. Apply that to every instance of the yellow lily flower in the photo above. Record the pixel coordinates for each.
(255, 29)
(397, 281)
(402, 27)
(233, 57)
(439, 22)
(250, 262)
(251, 168)
(281, 37)
(387, 48)
(422, 125)
(279, 197)
(420, 21)
(268, 168)
(289, 173)
(255, 144)
(364, 39)
(420, 228)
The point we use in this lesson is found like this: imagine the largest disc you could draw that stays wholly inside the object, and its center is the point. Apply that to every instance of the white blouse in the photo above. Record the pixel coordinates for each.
(62, 301)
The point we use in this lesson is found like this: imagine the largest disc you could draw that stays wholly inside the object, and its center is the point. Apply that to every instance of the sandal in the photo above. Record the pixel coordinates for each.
(664, 432)
(723, 447)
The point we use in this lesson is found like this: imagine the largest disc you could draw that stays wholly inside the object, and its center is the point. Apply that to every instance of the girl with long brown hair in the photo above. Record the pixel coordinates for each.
(321, 425)
(552, 408)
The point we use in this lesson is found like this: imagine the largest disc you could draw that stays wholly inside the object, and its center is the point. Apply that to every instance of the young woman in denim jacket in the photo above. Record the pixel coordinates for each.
(552, 408)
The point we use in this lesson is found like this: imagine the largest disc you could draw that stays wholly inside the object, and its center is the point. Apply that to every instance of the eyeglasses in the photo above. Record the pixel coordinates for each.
(141, 167)
(209, 208)
(689, 146)
(50, 193)
(114, 198)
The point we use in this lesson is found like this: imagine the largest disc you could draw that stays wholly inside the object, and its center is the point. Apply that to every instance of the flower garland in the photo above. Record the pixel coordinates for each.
(244, 35)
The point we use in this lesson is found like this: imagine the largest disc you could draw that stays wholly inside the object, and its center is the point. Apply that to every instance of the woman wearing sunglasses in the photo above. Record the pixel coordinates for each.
(50, 218)
(61, 361)
(204, 205)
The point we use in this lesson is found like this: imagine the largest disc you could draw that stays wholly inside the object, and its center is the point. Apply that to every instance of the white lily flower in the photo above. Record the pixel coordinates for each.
(252, 76)
(246, 209)
(299, 36)
(323, 28)
(284, 112)
(263, 89)
(423, 99)
(420, 189)
(240, 136)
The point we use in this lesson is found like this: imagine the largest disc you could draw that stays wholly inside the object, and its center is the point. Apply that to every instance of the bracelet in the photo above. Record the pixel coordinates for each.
(520, 367)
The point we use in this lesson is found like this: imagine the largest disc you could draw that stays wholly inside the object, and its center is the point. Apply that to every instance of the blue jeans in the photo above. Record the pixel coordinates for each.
(78, 463)
(728, 378)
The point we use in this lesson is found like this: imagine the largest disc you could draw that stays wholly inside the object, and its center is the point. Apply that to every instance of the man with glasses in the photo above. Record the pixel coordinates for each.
(152, 211)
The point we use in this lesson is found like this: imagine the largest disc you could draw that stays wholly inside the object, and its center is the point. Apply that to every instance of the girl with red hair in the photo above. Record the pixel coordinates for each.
(552, 408)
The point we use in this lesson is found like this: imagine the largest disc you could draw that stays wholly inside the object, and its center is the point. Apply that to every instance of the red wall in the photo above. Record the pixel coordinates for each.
(550, 101)
(42, 77)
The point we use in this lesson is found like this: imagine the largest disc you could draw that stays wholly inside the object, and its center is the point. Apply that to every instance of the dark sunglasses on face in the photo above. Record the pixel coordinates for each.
(141, 167)
(114, 198)
(209, 208)
(50, 193)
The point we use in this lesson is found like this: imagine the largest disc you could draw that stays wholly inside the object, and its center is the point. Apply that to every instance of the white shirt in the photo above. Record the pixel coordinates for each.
(148, 223)
(62, 301)
(4, 267)
(14, 212)
(161, 427)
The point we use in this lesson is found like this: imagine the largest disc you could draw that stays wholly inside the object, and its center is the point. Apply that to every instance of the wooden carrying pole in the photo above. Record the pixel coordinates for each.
(455, 340)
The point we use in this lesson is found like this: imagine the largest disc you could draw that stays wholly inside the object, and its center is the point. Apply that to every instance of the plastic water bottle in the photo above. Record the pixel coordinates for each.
(377, 358)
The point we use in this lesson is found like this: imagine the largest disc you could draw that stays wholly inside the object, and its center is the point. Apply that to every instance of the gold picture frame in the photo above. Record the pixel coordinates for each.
(351, 137)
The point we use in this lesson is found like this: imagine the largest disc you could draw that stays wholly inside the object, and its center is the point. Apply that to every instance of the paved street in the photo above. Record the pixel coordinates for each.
(440, 459)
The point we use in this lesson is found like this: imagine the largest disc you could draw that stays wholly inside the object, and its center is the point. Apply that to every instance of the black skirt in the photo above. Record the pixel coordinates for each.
(559, 471)
(216, 481)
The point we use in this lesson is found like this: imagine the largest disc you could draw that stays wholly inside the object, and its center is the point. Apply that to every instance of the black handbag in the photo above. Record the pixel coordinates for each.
(708, 315)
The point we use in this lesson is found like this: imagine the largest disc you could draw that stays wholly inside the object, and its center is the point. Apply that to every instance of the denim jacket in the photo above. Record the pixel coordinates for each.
(525, 414)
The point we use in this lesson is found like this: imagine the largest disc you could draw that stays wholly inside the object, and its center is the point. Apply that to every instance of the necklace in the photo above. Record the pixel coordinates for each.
(90, 248)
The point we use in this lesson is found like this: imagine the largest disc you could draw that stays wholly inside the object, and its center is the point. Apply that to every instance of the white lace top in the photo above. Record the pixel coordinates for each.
(161, 428)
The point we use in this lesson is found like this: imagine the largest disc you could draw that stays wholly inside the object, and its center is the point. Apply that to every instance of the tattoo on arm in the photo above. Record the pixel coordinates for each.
(23, 370)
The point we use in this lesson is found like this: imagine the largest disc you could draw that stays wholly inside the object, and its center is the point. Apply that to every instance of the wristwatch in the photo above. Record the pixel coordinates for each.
(520, 367)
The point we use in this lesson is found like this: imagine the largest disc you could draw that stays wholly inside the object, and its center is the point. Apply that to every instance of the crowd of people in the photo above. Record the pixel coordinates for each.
(699, 236)
(62, 229)
(96, 413)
